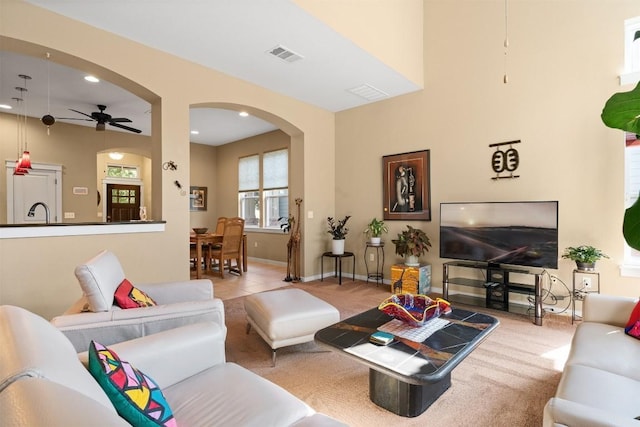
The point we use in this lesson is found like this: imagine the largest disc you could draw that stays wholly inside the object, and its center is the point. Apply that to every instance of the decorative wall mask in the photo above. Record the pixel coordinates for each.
(505, 162)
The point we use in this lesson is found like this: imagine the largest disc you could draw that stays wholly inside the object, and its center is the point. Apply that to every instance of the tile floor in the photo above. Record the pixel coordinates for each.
(259, 277)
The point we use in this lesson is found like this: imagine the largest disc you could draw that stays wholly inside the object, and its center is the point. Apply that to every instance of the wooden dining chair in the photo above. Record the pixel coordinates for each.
(231, 247)
(220, 226)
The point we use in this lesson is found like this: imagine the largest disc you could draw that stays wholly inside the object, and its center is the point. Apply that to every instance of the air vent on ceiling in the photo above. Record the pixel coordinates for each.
(368, 92)
(285, 54)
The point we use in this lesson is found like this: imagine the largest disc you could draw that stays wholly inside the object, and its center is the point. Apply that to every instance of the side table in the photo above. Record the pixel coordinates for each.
(585, 287)
(338, 265)
(378, 274)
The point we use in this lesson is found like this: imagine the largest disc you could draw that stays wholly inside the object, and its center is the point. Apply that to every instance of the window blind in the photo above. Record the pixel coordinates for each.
(249, 173)
(276, 169)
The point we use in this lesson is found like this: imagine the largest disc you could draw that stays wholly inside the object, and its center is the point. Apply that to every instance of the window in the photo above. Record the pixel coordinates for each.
(120, 171)
(632, 187)
(263, 193)
(631, 52)
(631, 266)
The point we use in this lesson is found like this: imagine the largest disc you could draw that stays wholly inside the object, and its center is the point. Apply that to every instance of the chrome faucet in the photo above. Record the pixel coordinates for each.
(32, 210)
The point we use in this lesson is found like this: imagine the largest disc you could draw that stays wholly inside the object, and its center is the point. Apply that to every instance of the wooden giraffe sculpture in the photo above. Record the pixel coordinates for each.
(293, 247)
(295, 237)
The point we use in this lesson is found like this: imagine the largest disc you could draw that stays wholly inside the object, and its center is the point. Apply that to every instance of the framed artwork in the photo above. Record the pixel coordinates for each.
(198, 199)
(406, 192)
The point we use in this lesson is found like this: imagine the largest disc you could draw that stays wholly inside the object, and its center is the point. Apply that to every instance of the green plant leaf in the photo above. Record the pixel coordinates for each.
(636, 36)
(631, 225)
(622, 110)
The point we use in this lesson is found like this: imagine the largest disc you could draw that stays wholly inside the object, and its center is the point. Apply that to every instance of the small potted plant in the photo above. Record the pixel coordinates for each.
(411, 244)
(585, 256)
(338, 230)
(375, 229)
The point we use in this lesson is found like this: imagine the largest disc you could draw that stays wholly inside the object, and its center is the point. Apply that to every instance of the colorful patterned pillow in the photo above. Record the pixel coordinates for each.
(136, 397)
(633, 325)
(128, 296)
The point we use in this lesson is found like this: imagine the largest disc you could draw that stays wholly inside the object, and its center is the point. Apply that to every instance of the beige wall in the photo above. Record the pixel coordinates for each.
(261, 244)
(563, 62)
(203, 174)
(149, 256)
(217, 169)
(129, 159)
(75, 149)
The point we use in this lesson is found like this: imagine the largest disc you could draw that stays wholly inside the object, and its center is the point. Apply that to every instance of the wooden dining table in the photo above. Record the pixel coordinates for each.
(213, 238)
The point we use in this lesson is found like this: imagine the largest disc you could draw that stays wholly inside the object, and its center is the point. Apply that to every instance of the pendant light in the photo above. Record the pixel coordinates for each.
(48, 119)
(24, 162)
(18, 169)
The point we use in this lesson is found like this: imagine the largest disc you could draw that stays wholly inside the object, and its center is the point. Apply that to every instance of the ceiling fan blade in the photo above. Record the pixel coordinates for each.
(80, 112)
(125, 127)
(73, 118)
(120, 120)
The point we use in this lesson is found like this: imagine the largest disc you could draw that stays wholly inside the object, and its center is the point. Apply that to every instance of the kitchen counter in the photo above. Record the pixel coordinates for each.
(15, 231)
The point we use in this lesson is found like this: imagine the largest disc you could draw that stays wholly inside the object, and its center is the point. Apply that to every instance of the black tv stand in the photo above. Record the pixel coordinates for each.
(496, 283)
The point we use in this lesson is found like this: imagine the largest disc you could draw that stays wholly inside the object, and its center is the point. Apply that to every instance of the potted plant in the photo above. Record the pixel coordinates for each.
(338, 230)
(375, 229)
(585, 256)
(622, 111)
(412, 243)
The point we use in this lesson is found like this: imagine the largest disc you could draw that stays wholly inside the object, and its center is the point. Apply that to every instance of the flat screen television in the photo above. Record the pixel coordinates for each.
(515, 233)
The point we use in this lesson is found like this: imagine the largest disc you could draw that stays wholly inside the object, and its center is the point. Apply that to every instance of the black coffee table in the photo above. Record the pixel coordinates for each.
(406, 377)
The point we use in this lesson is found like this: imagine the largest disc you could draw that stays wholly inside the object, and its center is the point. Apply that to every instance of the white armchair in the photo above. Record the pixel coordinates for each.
(95, 317)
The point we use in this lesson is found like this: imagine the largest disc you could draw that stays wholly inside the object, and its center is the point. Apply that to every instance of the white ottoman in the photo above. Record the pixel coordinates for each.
(287, 317)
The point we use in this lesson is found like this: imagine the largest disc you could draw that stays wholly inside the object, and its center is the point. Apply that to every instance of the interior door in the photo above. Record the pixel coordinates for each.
(123, 202)
(37, 186)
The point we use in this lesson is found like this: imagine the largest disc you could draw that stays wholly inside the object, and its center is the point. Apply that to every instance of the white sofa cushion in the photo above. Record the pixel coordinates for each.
(99, 278)
(560, 412)
(596, 388)
(227, 384)
(40, 402)
(33, 346)
(605, 347)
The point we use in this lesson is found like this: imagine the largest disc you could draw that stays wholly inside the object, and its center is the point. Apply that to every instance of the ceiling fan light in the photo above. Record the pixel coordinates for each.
(48, 119)
(100, 126)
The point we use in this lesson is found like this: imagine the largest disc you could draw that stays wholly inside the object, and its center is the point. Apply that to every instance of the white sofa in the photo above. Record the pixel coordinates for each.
(44, 383)
(94, 315)
(600, 384)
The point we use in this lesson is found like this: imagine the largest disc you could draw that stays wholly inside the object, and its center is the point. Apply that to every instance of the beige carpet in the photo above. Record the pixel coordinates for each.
(506, 381)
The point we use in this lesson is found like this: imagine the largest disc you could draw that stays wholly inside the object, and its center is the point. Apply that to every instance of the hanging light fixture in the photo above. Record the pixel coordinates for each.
(24, 161)
(48, 119)
(18, 169)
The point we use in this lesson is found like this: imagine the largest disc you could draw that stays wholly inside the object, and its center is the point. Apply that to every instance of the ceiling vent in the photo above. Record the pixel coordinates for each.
(368, 92)
(285, 54)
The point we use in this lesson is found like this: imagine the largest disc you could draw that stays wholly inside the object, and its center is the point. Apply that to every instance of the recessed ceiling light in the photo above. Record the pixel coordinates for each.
(91, 79)
(243, 114)
(116, 156)
(195, 132)
(6, 107)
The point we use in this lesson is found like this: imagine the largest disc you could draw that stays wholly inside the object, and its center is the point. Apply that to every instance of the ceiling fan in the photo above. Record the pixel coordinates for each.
(103, 118)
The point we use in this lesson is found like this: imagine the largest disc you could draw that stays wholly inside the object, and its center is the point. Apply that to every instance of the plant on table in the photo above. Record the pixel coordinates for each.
(412, 242)
(583, 254)
(376, 228)
(337, 228)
